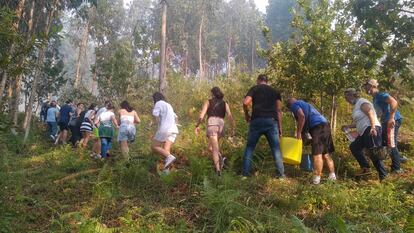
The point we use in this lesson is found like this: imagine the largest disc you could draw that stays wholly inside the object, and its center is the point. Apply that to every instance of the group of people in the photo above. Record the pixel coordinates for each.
(265, 119)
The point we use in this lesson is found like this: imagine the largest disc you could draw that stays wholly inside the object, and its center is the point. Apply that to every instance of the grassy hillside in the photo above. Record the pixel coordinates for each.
(45, 188)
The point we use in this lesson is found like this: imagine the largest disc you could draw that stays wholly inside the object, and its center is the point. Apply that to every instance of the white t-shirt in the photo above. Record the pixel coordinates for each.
(165, 112)
(88, 113)
(360, 118)
(100, 111)
(106, 116)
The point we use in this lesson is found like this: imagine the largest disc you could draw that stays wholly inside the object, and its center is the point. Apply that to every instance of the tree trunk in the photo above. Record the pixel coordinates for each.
(33, 92)
(334, 114)
(162, 72)
(200, 48)
(82, 50)
(228, 68)
(18, 81)
(16, 23)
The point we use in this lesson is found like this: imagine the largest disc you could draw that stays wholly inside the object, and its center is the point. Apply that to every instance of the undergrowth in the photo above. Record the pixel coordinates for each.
(60, 189)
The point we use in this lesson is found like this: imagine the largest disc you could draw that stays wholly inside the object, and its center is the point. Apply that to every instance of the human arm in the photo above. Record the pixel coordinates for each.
(201, 117)
(392, 102)
(246, 102)
(114, 121)
(369, 111)
(137, 120)
(301, 119)
(279, 116)
(231, 118)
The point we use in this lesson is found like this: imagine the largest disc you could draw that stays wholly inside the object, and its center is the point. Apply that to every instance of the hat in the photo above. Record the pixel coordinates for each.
(351, 91)
(372, 82)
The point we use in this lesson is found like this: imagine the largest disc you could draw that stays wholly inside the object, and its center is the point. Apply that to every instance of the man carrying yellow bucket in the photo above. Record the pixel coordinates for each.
(310, 121)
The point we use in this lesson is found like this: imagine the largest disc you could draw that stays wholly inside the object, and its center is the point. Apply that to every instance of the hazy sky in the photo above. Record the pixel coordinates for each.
(261, 4)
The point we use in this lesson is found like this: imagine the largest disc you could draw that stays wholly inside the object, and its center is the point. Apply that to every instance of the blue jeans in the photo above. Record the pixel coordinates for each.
(106, 144)
(395, 154)
(367, 141)
(269, 128)
(52, 128)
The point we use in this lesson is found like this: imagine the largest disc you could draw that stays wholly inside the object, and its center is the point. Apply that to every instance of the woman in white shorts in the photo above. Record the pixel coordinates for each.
(216, 109)
(167, 129)
(127, 131)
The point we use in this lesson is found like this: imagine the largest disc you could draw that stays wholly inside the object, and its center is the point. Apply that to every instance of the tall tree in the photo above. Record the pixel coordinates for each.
(41, 55)
(279, 17)
(11, 50)
(163, 66)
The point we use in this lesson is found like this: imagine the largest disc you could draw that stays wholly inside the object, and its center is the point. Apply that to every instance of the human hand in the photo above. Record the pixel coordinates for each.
(299, 136)
(391, 123)
(197, 130)
(248, 118)
(373, 132)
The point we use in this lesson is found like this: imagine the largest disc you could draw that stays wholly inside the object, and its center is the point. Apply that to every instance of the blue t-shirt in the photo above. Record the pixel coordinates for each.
(51, 114)
(382, 108)
(312, 115)
(65, 113)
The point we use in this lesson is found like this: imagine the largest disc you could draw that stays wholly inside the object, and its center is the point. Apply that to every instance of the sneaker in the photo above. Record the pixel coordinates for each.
(316, 180)
(403, 159)
(399, 171)
(332, 177)
(218, 173)
(98, 156)
(222, 161)
(169, 160)
(364, 171)
(166, 171)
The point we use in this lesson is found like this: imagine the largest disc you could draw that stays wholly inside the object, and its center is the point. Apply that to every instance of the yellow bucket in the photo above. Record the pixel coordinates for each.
(291, 149)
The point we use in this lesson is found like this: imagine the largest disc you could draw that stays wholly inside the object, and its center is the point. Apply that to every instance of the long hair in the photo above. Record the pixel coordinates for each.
(92, 106)
(125, 105)
(217, 93)
(157, 96)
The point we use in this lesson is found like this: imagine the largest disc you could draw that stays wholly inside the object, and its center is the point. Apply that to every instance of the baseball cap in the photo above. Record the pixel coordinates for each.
(372, 82)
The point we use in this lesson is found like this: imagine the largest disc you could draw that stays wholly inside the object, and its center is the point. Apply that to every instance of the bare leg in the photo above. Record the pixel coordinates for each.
(64, 136)
(159, 148)
(215, 149)
(318, 164)
(330, 163)
(97, 146)
(124, 148)
(85, 139)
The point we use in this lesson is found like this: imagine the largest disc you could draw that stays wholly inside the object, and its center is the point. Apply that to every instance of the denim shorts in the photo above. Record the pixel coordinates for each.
(127, 133)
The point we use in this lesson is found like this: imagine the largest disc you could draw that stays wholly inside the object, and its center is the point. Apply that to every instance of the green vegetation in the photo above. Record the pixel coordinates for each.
(60, 189)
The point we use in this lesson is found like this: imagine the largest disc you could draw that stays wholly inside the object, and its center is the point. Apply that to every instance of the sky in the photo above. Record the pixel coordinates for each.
(261, 4)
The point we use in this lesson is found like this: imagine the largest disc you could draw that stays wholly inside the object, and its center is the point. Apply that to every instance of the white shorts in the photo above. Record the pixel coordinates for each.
(163, 137)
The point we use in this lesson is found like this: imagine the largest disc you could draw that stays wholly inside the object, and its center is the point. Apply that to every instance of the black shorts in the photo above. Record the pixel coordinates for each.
(63, 126)
(322, 142)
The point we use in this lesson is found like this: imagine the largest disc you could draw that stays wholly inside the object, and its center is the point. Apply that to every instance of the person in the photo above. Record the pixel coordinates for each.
(167, 129)
(75, 124)
(128, 117)
(309, 120)
(106, 123)
(216, 109)
(97, 142)
(266, 119)
(51, 120)
(65, 113)
(387, 108)
(87, 125)
(43, 111)
(369, 130)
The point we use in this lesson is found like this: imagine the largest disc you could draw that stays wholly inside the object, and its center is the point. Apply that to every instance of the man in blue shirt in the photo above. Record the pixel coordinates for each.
(309, 120)
(65, 114)
(386, 107)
